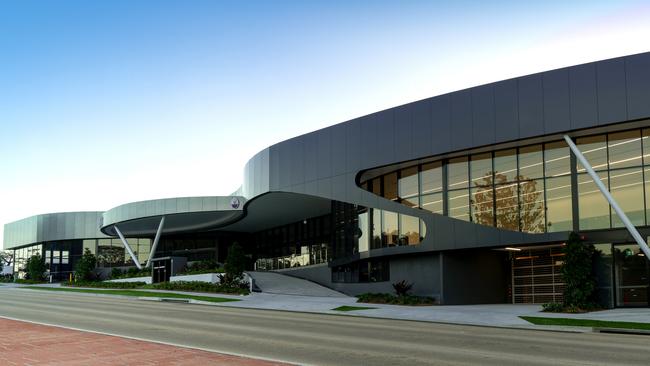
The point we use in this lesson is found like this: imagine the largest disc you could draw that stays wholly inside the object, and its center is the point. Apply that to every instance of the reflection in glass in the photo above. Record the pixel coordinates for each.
(482, 205)
(431, 177)
(631, 275)
(505, 163)
(409, 230)
(390, 229)
(481, 169)
(458, 204)
(558, 204)
(90, 245)
(362, 238)
(432, 202)
(592, 205)
(531, 164)
(531, 201)
(624, 149)
(390, 186)
(557, 160)
(376, 229)
(457, 173)
(507, 206)
(626, 186)
(408, 186)
(594, 149)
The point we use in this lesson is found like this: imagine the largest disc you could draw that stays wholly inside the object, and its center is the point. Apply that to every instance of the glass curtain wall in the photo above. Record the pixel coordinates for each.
(524, 189)
(529, 188)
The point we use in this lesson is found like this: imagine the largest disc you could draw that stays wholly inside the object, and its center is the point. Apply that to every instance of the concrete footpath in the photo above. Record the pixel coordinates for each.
(496, 315)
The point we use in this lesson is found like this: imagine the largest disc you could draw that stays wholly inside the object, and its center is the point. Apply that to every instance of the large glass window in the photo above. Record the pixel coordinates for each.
(594, 149)
(507, 206)
(531, 162)
(408, 186)
(409, 230)
(432, 202)
(457, 173)
(626, 186)
(532, 209)
(390, 186)
(592, 205)
(362, 237)
(481, 170)
(390, 229)
(376, 229)
(459, 204)
(624, 149)
(505, 165)
(559, 212)
(482, 205)
(557, 159)
(431, 178)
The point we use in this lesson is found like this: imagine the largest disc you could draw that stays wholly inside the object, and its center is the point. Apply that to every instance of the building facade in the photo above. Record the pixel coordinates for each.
(469, 195)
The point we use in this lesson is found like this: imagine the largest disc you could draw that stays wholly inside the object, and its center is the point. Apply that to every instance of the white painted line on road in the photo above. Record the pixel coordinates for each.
(155, 341)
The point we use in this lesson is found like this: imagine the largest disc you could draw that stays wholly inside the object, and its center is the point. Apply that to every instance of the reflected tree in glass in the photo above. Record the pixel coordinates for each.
(523, 210)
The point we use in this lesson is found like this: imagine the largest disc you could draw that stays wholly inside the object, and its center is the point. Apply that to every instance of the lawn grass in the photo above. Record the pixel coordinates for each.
(585, 323)
(136, 293)
(352, 308)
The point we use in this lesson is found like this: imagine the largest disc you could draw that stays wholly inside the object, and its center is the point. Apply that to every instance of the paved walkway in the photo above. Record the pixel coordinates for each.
(34, 344)
(277, 283)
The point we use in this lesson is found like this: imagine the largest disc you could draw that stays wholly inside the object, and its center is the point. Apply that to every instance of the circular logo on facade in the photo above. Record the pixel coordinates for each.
(234, 202)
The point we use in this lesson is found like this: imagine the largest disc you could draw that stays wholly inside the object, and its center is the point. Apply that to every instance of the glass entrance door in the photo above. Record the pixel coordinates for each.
(631, 275)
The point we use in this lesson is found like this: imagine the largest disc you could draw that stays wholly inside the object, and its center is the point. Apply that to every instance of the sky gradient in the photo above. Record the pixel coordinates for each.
(108, 102)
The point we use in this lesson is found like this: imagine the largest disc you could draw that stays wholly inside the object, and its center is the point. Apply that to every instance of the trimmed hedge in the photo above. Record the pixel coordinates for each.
(198, 286)
(99, 284)
(411, 300)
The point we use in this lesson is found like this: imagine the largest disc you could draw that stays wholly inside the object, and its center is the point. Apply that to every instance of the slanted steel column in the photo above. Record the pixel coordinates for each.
(128, 248)
(628, 224)
(154, 246)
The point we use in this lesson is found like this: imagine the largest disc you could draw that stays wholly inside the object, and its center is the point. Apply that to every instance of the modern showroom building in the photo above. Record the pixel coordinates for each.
(469, 195)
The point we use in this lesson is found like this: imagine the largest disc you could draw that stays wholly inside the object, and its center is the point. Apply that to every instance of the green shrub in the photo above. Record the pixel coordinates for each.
(116, 272)
(99, 284)
(35, 268)
(84, 270)
(577, 273)
(402, 288)
(553, 307)
(199, 286)
(235, 265)
(381, 298)
(26, 281)
(200, 267)
(5, 278)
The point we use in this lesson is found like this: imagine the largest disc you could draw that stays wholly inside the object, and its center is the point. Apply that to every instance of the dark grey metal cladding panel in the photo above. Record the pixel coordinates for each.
(385, 125)
(531, 106)
(506, 108)
(339, 187)
(483, 119)
(352, 192)
(285, 164)
(583, 91)
(439, 120)
(324, 187)
(324, 162)
(440, 230)
(338, 149)
(461, 120)
(612, 105)
(311, 156)
(403, 137)
(557, 107)
(464, 234)
(274, 167)
(297, 160)
(422, 143)
(353, 145)
(370, 146)
(637, 69)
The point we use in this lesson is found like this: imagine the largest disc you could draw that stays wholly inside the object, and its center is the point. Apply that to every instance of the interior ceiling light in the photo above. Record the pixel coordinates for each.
(513, 249)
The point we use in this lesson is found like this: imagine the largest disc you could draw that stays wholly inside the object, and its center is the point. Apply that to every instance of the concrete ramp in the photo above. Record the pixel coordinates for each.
(277, 283)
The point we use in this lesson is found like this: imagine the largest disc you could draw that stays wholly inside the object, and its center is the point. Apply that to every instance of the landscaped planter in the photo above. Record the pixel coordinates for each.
(204, 277)
(147, 279)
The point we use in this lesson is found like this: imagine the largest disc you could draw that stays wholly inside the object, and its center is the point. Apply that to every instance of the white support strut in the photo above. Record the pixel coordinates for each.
(154, 246)
(127, 247)
(628, 224)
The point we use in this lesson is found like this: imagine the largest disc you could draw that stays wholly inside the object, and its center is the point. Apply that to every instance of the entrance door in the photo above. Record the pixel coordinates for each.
(631, 275)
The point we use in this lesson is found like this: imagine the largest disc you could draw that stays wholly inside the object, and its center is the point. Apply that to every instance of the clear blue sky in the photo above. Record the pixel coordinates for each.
(107, 102)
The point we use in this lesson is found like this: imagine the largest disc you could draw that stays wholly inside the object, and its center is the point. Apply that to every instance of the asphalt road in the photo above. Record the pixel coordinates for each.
(321, 339)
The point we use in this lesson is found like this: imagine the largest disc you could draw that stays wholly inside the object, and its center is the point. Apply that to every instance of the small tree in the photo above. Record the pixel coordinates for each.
(235, 264)
(6, 259)
(577, 272)
(84, 270)
(35, 267)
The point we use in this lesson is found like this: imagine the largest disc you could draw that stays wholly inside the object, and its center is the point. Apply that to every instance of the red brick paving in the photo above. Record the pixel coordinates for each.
(23, 343)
